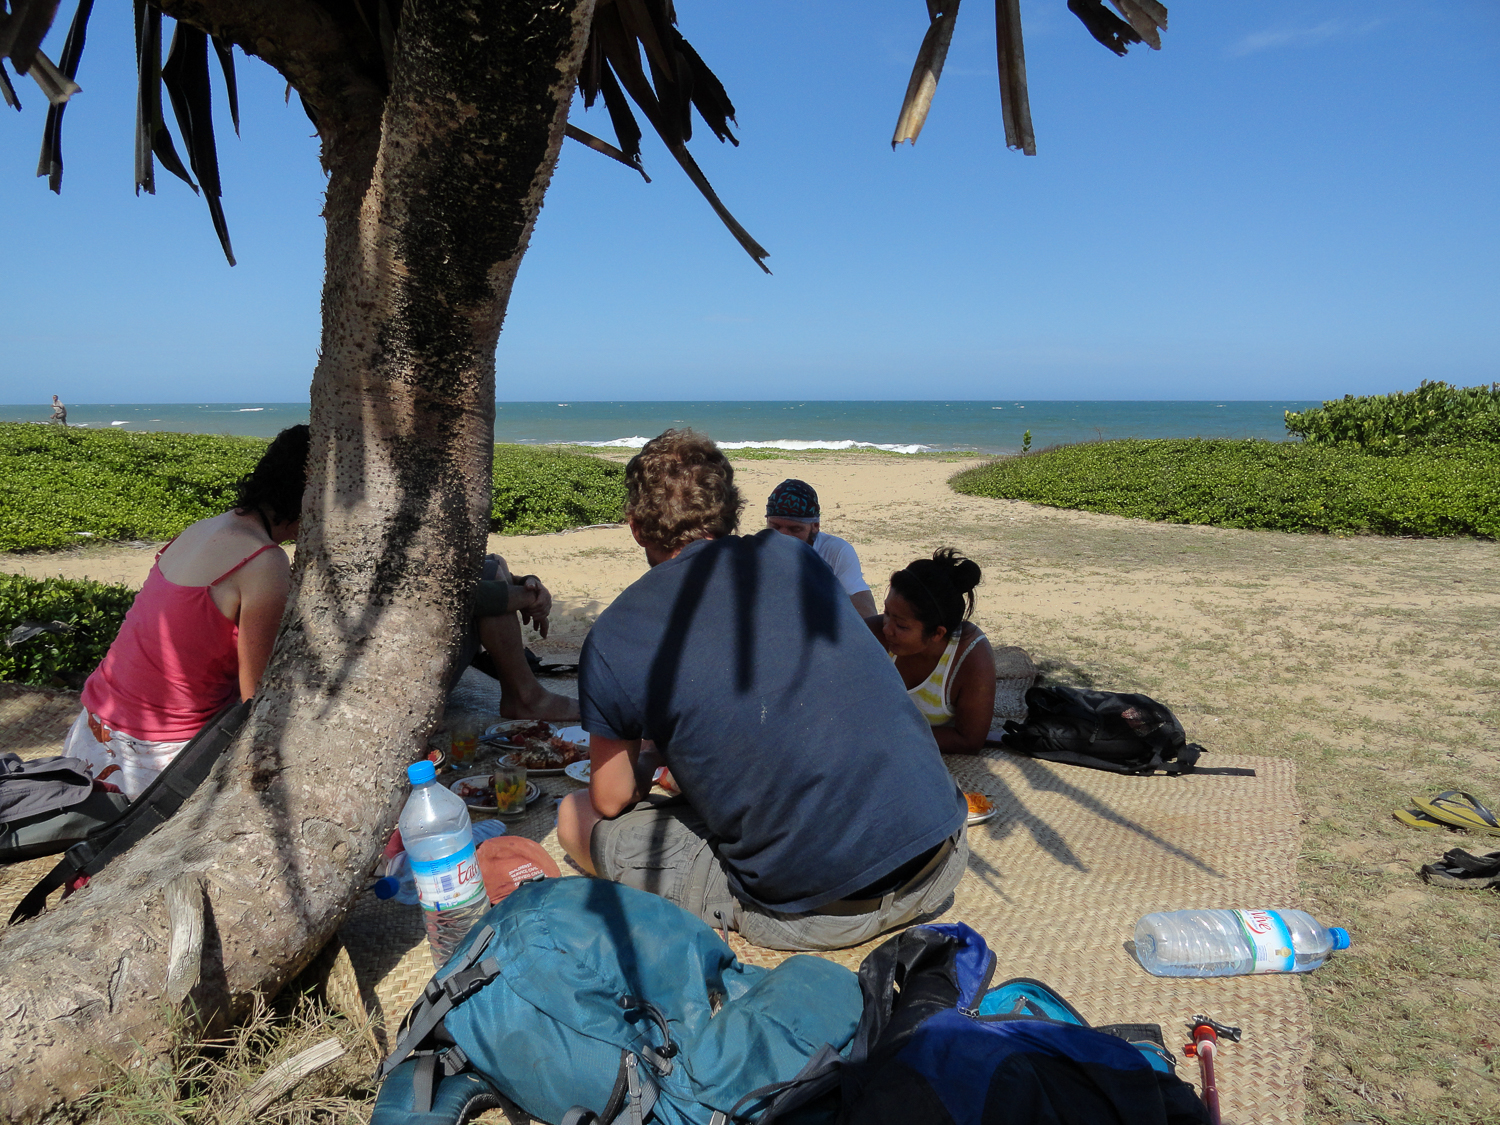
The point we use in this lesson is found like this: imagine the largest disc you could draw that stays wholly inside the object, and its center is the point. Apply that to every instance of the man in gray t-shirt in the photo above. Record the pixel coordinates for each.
(815, 810)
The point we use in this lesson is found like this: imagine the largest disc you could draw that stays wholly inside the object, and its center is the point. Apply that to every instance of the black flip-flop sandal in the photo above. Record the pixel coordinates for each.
(1459, 868)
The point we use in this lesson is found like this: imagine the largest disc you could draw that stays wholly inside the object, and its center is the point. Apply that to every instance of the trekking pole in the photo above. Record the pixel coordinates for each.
(1204, 1046)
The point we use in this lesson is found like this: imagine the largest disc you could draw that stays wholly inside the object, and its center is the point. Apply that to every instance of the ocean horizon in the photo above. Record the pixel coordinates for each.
(992, 426)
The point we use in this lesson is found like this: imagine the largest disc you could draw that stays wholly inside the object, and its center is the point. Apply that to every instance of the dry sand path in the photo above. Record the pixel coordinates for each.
(1374, 663)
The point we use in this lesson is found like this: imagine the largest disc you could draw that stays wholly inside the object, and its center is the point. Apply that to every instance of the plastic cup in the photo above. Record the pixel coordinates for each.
(464, 731)
(510, 789)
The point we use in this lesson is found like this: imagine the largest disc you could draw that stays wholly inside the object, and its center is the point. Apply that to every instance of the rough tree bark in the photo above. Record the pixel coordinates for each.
(433, 190)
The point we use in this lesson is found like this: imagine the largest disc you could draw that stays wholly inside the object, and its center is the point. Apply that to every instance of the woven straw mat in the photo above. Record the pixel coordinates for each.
(1056, 882)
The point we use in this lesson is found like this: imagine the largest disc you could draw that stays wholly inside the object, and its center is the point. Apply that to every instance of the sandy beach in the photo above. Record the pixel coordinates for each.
(1373, 663)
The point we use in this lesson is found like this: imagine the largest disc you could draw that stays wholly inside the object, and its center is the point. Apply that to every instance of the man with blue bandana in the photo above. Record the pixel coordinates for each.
(792, 509)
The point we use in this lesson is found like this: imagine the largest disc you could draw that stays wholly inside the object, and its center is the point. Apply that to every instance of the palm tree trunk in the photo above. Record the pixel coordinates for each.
(429, 210)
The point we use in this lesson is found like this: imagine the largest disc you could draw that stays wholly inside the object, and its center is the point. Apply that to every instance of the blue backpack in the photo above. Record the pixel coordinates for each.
(939, 1045)
(581, 999)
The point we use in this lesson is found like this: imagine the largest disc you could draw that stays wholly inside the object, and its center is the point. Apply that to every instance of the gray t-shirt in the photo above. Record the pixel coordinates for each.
(781, 717)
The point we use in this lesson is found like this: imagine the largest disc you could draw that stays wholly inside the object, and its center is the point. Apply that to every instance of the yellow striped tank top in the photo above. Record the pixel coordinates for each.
(931, 695)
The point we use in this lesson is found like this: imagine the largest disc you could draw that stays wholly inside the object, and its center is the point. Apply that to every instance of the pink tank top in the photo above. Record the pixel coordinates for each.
(174, 664)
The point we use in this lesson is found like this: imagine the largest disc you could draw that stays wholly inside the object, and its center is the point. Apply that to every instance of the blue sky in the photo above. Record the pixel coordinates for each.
(1290, 200)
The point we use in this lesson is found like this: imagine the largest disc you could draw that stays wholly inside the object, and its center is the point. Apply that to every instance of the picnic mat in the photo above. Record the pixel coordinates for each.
(1056, 882)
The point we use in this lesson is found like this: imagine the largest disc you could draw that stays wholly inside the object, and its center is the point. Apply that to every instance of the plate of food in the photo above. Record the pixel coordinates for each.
(543, 756)
(516, 731)
(981, 808)
(579, 772)
(478, 792)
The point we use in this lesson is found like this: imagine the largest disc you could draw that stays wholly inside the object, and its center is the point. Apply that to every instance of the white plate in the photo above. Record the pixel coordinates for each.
(574, 734)
(533, 791)
(579, 772)
(980, 818)
(501, 729)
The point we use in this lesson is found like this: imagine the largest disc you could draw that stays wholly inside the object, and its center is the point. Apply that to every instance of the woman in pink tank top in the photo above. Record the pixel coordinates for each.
(200, 632)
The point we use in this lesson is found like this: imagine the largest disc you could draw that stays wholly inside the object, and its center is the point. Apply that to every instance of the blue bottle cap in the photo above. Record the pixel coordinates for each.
(1340, 937)
(420, 773)
(386, 887)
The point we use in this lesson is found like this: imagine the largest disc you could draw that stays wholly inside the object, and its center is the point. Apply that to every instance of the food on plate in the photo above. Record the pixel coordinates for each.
(979, 804)
(552, 753)
(476, 791)
(538, 730)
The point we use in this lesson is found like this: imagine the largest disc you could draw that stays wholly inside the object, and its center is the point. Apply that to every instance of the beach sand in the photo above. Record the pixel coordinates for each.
(1373, 663)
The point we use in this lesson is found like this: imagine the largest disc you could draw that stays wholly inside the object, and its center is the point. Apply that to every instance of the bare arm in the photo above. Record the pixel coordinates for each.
(613, 785)
(864, 604)
(263, 583)
(973, 703)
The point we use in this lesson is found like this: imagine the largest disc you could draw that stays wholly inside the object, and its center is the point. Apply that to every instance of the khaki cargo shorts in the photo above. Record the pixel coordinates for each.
(662, 846)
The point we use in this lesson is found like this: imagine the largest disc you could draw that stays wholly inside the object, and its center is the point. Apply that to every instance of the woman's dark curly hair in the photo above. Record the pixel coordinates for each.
(276, 484)
(940, 589)
(680, 487)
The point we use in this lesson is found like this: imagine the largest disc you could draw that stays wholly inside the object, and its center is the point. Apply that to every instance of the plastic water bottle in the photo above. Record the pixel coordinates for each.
(1227, 943)
(400, 883)
(440, 849)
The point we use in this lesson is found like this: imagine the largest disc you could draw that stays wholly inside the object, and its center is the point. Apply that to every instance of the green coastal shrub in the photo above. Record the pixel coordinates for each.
(62, 487)
(1435, 414)
(541, 489)
(90, 611)
(1283, 486)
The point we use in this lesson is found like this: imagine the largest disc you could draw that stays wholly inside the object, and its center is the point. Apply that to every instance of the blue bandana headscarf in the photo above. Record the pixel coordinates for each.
(793, 500)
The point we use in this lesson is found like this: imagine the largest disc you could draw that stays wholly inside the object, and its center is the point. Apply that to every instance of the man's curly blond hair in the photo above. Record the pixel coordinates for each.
(680, 487)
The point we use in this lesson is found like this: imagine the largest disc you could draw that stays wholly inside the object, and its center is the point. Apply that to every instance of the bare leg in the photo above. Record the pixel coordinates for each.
(576, 817)
(521, 697)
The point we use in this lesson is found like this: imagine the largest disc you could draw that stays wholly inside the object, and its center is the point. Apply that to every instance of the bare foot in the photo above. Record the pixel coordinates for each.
(543, 704)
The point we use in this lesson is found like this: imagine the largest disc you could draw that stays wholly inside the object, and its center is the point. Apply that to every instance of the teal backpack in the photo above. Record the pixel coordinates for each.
(582, 1000)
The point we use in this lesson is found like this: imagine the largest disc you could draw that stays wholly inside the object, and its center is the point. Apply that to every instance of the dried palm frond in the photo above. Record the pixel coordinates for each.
(679, 81)
(1010, 55)
(941, 15)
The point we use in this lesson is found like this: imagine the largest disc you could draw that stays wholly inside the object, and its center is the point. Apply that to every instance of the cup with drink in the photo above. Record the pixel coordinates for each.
(463, 733)
(510, 788)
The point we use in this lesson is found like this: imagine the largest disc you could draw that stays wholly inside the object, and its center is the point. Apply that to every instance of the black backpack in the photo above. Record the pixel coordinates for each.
(114, 836)
(1104, 730)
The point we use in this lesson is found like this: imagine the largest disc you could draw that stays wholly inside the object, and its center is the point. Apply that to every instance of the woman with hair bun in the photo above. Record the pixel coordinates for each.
(944, 659)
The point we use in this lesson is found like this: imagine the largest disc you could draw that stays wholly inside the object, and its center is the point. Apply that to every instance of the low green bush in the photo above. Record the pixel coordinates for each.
(90, 612)
(541, 489)
(1284, 486)
(1435, 414)
(61, 487)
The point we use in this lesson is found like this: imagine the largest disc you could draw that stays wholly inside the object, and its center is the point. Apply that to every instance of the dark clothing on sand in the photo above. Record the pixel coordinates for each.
(780, 715)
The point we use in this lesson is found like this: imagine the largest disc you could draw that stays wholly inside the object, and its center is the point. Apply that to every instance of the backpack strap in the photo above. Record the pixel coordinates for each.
(163, 797)
(438, 998)
(633, 1090)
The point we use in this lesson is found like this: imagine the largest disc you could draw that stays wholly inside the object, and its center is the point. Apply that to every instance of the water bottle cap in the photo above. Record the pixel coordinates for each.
(386, 887)
(420, 773)
(1340, 937)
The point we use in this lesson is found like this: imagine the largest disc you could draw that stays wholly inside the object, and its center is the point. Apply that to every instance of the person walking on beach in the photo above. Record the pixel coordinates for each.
(59, 412)
(815, 810)
(792, 509)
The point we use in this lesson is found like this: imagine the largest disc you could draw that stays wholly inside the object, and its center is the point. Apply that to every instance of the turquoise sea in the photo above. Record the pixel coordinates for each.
(904, 427)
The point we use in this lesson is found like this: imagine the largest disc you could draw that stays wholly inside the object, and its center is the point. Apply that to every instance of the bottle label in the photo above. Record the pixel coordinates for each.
(1269, 936)
(450, 882)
